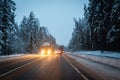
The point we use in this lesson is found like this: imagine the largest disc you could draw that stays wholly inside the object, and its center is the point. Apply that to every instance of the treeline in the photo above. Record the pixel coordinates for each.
(100, 27)
(23, 38)
(32, 34)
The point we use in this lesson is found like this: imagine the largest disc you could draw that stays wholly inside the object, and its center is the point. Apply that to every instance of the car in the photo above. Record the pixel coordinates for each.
(59, 50)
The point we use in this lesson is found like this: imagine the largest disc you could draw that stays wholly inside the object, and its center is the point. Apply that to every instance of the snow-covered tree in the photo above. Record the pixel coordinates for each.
(17, 45)
(77, 40)
(1, 42)
(100, 27)
(99, 20)
(113, 36)
(32, 34)
(6, 23)
(1, 33)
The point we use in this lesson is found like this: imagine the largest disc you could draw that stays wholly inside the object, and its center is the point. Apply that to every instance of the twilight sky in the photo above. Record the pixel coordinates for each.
(56, 15)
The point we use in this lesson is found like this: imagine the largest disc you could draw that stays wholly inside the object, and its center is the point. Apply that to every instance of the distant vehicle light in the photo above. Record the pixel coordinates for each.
(56, 51)
(49, 52)
(43, 52)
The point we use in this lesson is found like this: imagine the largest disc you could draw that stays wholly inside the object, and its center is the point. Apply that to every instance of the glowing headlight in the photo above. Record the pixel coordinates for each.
(42, 52)
(49, 51)
(56, 52)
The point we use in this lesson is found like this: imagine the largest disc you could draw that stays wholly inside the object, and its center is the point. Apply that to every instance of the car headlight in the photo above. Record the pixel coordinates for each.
(49, 51)
(42, 52)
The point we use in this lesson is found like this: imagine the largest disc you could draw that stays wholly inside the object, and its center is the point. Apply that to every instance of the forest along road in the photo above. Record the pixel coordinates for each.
(38, 67)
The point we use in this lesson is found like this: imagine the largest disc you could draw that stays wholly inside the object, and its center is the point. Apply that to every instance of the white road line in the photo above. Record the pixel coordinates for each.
(76, 69)
(4, 74)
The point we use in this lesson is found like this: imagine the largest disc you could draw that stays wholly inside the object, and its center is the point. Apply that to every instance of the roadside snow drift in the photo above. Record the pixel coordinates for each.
(109, 58)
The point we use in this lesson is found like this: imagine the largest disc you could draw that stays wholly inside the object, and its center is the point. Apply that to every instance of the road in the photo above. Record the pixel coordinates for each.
(38, 67)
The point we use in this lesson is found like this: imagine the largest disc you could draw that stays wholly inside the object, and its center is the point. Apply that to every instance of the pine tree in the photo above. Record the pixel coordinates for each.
(77, 41)
(105, 10)
(99, 22)
(113, 36)
(1, 42)
(33, 25)
(33, 35)
(8, 8)
(87, 33)
(1, 33)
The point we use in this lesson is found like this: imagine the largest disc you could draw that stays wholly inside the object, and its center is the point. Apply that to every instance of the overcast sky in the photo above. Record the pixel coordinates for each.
(56, 15)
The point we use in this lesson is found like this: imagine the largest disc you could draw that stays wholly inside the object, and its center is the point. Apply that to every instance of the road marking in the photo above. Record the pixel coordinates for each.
(76, 69)
(4, 74)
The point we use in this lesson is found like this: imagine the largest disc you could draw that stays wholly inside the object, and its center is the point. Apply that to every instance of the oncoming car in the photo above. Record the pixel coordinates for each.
(46, 49)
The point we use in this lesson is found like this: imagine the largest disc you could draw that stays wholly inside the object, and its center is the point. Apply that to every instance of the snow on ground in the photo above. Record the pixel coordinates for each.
(9, 56)
(108, 58)
(101, 54)
(104, 71)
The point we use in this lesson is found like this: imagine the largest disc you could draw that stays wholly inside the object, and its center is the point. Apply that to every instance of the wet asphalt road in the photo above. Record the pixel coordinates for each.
(37, 67)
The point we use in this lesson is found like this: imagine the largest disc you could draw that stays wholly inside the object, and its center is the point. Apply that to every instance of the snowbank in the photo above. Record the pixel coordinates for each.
(109, 58)
(101, 54)
(9, 56)
(97, 70)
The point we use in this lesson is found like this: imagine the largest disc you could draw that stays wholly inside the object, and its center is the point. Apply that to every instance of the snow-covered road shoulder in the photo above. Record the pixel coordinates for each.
(112, 59)
(11, 56)
(93, 68)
